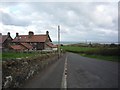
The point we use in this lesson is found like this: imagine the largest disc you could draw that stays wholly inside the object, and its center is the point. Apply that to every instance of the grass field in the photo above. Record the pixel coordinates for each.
(77, 49)
(0, 56)
(13, 55)
(100, 57)
(110, 54)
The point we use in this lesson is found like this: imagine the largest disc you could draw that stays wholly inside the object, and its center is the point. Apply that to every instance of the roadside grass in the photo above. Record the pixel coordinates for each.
(101, 57)
(103, 53)
(0, 56)
(13, 55)
(77, 49)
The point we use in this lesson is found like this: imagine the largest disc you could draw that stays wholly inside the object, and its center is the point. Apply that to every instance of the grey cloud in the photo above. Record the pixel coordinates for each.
(75, 19)
(9, 3)
(8, 19)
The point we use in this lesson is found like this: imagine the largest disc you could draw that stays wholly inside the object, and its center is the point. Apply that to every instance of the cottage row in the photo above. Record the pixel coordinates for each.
(27, 42)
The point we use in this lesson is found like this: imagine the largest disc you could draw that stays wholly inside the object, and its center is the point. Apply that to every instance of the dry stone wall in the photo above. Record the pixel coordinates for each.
(16, 72)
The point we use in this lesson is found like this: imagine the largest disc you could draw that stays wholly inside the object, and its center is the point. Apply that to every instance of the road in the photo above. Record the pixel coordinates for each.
(81, 72)
(51, 77)
(91, 73)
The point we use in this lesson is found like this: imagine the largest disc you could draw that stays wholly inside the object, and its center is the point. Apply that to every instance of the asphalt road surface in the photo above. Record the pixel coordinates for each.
(81, 72)
(51, 77)
(91, 73)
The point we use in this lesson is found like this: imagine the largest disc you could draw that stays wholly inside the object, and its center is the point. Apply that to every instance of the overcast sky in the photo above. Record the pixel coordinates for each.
(79, 21)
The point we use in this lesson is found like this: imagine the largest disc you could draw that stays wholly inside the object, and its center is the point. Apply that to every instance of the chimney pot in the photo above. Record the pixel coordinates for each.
(17, 34)
(8, 33)
(47, 32)
(31, 33)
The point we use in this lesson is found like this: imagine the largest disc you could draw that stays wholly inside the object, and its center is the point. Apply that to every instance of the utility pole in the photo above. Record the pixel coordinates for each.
(58, 41)
(86, 41)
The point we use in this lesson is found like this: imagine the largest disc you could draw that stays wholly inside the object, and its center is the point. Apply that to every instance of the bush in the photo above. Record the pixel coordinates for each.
(93, 50)
(104, 51)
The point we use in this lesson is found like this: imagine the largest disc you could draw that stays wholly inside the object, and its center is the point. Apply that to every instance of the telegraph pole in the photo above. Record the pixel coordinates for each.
(58, 41)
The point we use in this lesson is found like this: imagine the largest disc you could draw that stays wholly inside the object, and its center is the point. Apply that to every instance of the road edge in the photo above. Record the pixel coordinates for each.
(64, 77)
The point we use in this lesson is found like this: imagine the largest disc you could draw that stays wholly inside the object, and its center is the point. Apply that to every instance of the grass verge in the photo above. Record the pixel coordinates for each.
(13, 55)
(104, 53)
(101, 57)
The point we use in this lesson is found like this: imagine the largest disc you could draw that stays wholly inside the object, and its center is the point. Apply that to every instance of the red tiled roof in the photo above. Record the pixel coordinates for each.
(51, 45)
(3, 38)
(17, 47)
(27, 45)
(27, 38)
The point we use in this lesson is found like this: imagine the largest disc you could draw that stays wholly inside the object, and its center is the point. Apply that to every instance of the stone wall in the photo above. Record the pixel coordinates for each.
(16, 72)
(0, 74)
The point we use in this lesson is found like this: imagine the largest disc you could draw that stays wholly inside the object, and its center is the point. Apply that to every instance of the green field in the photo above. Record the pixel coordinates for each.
(107, 53)
(13, 55)
(100, 57)
(77, 49)
(0, 56)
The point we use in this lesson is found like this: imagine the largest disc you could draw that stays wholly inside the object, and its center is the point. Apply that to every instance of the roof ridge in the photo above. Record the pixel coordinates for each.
(33, 38)
(34, 35)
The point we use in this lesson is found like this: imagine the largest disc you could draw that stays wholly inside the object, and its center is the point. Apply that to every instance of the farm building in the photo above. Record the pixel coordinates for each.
(21, 47)
(50, 46)
(5, 41)
(37, 42)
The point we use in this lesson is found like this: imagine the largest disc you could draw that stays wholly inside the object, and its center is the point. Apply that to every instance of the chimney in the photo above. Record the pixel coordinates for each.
(17, 34)
(8, 34)
(47, 33)
(31, 33)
